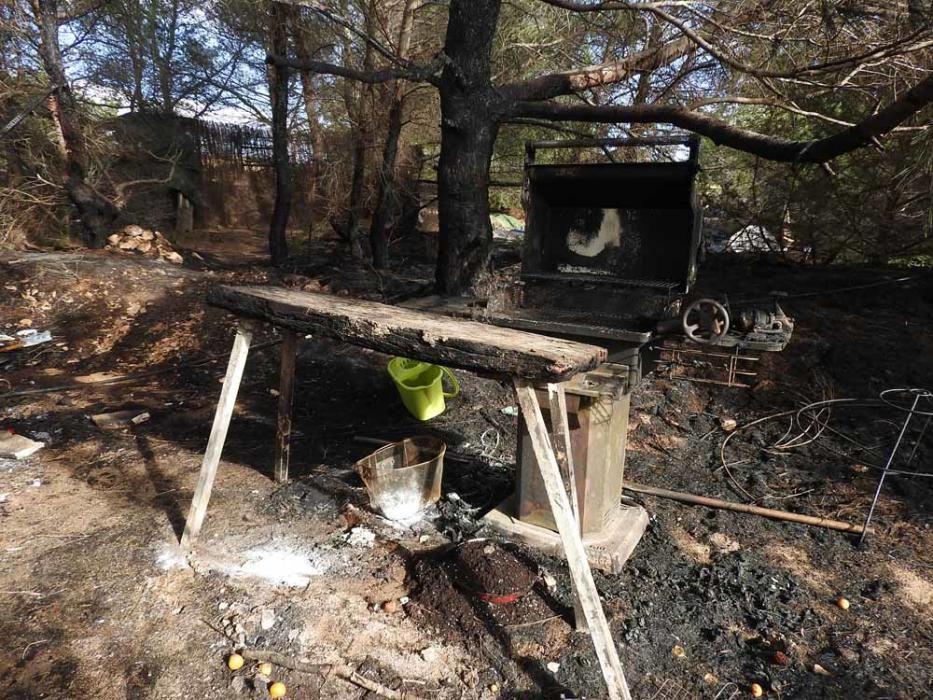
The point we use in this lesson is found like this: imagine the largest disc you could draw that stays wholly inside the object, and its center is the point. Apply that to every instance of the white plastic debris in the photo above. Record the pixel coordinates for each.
(509, 411)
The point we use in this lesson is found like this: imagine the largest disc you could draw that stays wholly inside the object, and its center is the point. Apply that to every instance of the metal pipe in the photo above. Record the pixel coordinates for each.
(745, 508)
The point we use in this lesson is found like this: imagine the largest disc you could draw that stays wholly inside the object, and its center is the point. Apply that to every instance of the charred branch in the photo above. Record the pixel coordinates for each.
(568, 82)
(770, 147)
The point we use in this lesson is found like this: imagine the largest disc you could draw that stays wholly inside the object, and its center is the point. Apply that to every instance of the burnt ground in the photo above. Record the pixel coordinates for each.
(98, 600)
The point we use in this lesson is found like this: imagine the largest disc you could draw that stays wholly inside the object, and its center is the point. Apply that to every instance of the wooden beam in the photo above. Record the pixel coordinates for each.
(283, 424)
(584, 586)
(215, 444)
(563, 451)
(421, 336)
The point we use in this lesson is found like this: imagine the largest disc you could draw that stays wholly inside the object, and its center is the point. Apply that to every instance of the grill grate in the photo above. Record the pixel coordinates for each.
(669, 690)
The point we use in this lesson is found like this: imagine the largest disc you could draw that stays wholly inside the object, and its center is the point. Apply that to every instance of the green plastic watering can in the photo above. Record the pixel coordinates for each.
(420, 386)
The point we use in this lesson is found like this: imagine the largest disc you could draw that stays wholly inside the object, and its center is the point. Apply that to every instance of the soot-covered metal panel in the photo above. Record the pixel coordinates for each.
(622, 221)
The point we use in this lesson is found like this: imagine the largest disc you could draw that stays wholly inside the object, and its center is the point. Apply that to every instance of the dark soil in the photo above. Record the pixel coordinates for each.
(489, 569)
(88, 611)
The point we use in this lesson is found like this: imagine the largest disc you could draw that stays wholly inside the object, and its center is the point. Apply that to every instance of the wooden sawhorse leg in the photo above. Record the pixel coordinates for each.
(283, 424)
(568, 528)
(215, 444)
(563, 451)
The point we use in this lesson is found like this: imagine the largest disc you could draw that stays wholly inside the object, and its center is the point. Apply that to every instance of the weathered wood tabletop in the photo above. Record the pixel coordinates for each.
(419, 335)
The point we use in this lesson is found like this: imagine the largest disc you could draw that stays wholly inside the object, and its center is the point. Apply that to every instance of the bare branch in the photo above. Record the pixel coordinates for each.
(417, 74)
(893, 48)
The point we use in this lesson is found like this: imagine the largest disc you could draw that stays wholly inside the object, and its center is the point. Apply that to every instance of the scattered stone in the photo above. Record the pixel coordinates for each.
(711, 679)
(360, 536)
(390, 607)
(553, 666)
(728, 423)
(678, 652)
(724, 543)
(756, 690)
(842, 603)
(820, 670)
(120, 419)
(18, 446)
(136, 239)
(431, 654)
(267, 619)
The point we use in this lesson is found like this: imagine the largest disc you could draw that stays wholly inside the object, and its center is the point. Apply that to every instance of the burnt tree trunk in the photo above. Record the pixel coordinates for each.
(357, 180)
(378, 239)
(95, 211)
(278, 92)
(309, 96)
(469, 123)
(356, 111)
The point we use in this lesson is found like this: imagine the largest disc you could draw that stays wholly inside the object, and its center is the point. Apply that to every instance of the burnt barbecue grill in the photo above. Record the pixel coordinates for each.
(609, 257)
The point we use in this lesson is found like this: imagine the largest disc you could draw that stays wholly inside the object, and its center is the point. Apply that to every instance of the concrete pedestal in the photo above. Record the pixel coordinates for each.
(607, 549)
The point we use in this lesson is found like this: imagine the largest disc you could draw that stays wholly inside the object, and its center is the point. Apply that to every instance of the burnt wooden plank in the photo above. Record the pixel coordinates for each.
(422, 336)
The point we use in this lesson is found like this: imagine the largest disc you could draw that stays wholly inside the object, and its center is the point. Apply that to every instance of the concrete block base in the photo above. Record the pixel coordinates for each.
(606, 550)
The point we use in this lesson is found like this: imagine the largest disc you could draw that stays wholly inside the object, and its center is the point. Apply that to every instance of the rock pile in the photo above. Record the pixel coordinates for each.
(135, 238)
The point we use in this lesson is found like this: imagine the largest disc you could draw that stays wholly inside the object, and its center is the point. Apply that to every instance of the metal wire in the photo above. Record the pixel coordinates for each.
(917, 394)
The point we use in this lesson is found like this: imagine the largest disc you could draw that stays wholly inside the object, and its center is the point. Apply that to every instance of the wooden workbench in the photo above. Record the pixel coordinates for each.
(526, 358)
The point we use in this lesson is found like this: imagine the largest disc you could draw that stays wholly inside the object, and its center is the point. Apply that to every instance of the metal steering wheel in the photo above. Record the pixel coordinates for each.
(705, 321)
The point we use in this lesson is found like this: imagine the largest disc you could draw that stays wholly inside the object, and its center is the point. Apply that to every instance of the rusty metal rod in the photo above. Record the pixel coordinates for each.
(746, 508)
